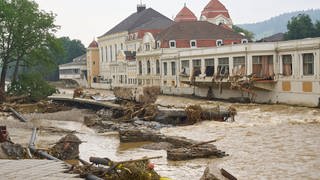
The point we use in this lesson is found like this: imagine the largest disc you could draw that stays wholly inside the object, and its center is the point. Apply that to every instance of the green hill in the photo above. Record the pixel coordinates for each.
(277, 24)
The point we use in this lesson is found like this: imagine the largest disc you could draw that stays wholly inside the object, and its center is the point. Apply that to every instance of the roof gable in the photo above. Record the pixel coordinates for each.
(139, 20)
(185, 15)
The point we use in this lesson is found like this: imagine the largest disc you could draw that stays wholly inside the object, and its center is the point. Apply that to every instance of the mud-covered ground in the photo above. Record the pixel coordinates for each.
(265, 142)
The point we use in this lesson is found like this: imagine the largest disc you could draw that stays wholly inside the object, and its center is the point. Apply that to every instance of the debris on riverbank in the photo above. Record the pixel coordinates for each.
(67, 148)
(111, 170)
(38, 107)
(142, 95)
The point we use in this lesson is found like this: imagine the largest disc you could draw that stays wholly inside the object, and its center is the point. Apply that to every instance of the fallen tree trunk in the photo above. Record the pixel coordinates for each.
(204, 151)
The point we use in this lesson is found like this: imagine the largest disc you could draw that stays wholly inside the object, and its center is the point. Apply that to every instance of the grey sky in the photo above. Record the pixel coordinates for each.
(86, 19)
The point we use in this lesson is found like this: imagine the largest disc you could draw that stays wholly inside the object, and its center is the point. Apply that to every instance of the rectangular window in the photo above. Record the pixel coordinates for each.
(196, 67)
(262, 67)
(185, 70)
(165, 68)
(286, 65)
(223, 66)
(172, 44)
(158, 66)
(239, 66)
(147, 47)
(173, 68)
(308, 64)
(209, 63)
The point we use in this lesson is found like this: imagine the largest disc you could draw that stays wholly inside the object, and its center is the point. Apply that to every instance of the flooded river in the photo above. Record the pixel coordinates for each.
(265, 142)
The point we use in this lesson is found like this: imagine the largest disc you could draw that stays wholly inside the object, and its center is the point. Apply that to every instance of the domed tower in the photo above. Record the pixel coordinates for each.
(215, 12)
(185, 15)
(93, 59)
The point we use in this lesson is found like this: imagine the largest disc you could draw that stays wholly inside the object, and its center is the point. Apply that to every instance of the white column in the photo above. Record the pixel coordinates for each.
(203, 67)
(249, 64)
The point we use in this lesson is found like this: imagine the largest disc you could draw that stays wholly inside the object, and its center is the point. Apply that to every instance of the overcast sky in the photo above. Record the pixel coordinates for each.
(86, 19)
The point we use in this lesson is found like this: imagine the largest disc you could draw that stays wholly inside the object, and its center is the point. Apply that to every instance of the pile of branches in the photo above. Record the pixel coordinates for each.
(147, 112)
(140, 169)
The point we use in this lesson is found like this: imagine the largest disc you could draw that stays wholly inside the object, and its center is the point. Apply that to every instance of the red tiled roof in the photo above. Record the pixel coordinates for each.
(93, 44)
(215, 8)
(197, 30)
(185, 15)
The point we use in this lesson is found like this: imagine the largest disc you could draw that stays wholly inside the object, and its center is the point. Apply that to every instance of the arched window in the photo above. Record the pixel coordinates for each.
(148, 67)
(219, 42)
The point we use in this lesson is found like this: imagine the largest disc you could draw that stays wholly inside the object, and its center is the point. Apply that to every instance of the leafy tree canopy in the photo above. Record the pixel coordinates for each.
(301, 26)
(25, 33)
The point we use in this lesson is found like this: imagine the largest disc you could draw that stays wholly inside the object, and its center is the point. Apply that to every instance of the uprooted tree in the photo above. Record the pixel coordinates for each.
(26, 38)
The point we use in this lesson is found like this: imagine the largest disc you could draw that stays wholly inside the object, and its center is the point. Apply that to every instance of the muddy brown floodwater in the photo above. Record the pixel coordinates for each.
(265, 142)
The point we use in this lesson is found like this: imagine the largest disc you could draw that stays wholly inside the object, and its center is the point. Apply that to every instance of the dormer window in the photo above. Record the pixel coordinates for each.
(172, 44)
(193, 43)
(244, 41)
(158, 44)
(219, 42)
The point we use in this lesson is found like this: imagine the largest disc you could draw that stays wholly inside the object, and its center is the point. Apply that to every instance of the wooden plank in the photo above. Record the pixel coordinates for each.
(227, 175)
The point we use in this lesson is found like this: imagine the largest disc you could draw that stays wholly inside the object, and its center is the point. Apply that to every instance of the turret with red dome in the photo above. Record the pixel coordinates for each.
(216, 13)
(185, 15)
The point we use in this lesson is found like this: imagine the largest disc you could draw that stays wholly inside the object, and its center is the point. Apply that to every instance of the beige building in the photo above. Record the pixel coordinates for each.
(119, 45)
(93, 60)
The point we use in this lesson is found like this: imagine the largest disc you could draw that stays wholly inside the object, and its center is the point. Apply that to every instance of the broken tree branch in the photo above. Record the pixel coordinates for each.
(203, 143)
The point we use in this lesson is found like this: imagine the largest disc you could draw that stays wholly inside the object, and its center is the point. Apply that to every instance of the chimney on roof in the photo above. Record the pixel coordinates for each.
(141, 7)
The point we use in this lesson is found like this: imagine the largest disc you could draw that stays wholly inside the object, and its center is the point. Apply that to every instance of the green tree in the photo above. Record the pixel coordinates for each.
(300, 27)
(247, 33)
(71, 49)
(24, 29)
(317, 28)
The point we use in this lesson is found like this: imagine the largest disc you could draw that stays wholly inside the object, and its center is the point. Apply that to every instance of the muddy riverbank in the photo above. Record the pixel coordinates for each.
(265, 142)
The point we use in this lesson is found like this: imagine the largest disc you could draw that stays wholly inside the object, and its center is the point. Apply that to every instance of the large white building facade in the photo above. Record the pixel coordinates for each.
(207, 59)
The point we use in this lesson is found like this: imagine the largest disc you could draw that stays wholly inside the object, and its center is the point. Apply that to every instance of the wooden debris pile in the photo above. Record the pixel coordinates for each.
(141, 169)
(181, 149)
(38, 107)
(199, 150)
(77, 93)
(143, 95)
(67, 148)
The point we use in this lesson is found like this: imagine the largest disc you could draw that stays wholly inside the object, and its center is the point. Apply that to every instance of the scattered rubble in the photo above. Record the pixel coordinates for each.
(39, 107)
(141, 169)
(143, 95)
(67, 148)
(181, 149)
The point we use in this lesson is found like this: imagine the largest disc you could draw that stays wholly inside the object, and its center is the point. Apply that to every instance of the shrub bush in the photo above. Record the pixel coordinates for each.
(32, 85)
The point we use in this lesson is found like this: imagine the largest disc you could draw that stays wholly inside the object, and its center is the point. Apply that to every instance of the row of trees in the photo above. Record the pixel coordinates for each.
(301, 26)
(28, 43)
